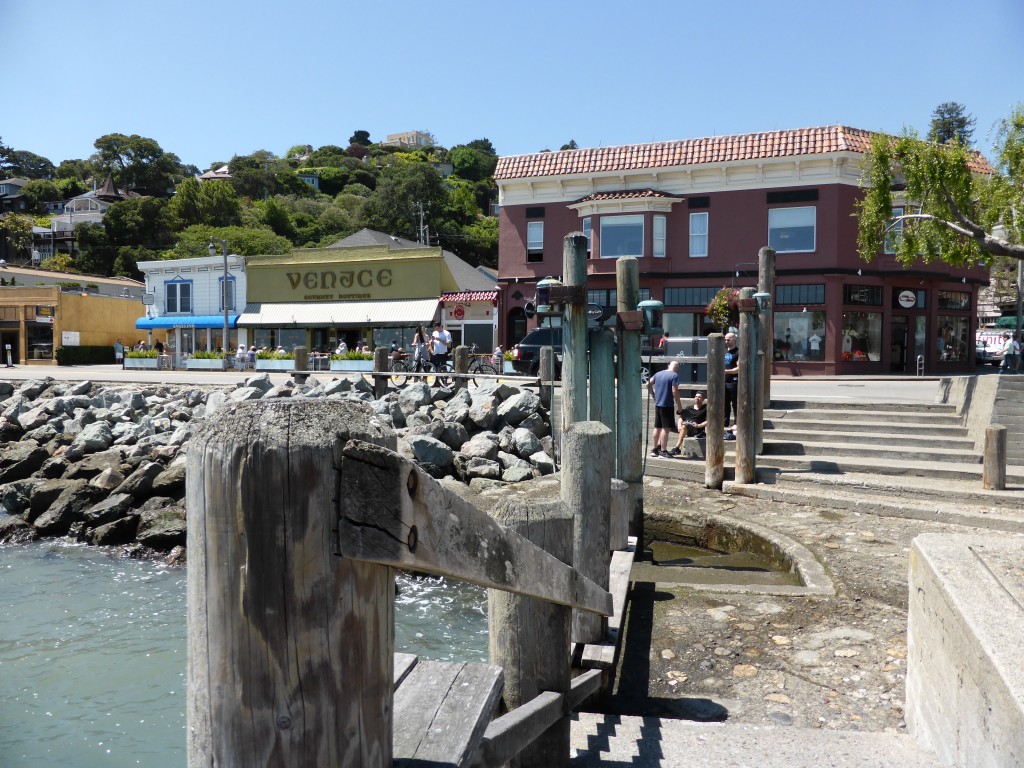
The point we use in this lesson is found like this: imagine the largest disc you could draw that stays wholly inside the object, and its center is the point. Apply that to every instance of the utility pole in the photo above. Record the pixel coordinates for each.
(421, 230)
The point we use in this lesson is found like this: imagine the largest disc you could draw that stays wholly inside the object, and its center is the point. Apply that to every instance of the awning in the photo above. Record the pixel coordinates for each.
(185, 321)
(339, 313)
(463, 297)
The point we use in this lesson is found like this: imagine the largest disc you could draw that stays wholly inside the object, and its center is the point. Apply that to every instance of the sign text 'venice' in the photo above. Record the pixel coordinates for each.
(364, 278)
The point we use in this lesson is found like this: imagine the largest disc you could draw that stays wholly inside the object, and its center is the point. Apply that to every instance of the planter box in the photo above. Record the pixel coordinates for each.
(508, 367)
(351, 365)
(275, 365)
(204, 364)
(141, 362)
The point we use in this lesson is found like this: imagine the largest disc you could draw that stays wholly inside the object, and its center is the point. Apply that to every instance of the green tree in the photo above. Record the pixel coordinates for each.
(70, 187)
(402, 188)
(28, 165)
(204, 202)
(138, 163)
(59, 262)
(16, 231)
(39, 191)
(968, 212)
(482, 145)
(79, 170)
(276, 216)
(5, 157)
(360, 137)
(195, 242)
(950, 121)
(571, 145)
(140, 221)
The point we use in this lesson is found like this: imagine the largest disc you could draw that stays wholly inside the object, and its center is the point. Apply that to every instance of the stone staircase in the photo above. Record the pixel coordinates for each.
(1008, 410)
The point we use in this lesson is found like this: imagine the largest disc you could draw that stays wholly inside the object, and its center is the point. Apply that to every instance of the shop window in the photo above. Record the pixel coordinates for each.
(39, 340)
(799, 295)
(178, 297)
(534, 241)
(869, 295)
(698, 235)
(951, 339)
(792, 230)
(799, 336)
(861, 338)
(622, 236)
(957, 300)
(689, 297)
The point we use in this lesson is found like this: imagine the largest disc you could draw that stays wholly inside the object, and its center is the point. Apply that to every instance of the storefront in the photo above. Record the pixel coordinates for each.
(472, 318)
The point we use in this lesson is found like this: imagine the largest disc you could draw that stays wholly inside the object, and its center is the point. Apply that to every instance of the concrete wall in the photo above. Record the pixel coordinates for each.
(975, 400)
(965, 687)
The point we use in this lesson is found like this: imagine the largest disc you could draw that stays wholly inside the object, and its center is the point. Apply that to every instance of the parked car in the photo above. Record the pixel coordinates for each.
(988, 353)
(526, 354)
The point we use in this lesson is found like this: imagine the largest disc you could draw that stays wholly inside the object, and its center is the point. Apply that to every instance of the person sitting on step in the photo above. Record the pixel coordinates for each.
(693, 420)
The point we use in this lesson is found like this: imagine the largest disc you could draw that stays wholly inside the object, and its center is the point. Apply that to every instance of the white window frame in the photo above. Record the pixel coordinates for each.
(231, 293)
(659, 228)
(179, 310)
(618, 221)
(895, 230)
(588, 231)
(534, 236)
(790, 210)
(699, 235)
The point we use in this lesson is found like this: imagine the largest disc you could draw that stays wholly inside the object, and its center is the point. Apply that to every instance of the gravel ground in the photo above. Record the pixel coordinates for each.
(836, 662)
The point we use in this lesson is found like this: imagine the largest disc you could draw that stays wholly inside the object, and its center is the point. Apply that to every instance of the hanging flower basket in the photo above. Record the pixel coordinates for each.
(724, 310)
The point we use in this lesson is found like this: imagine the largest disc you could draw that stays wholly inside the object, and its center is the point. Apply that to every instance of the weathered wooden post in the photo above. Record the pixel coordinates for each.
(574, 330)
(714, 443)
(747, 392)
(529, 637)
(618, 538)
(301, 357)
(546, 372)
(629, 426)
(585, 487)
(766, 284)
(602, 379)
(993, 473)
(381, 364)
(461, 365)
(289, 645)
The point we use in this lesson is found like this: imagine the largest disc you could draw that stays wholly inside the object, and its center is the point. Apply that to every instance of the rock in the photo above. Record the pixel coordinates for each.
(140, 482)
(278, 392)
(518, 407)
(413, 397)
(14, 530)
(107, 480)
(260, 381)
(33, 389)
(33, 418)
(543, 462)
(480, 447)
(57, 518)
(19, 460)
(114, 507)
(161, 524)
(337, 387)
(517, 474)
(483, 413)
(417, 419)
(475, 467)
(510, 460)
(171, 482)
(93, 465)
(213, 402)
(14, 497)
(94, 438)
(114, 533)
(430, 450)
(481, 484)
(245, 393)
(536, 424)
(44, 434)
(454, 435)
(525, 443)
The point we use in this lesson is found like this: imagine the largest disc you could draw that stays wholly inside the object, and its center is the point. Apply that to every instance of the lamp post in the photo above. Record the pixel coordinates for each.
(224, 296)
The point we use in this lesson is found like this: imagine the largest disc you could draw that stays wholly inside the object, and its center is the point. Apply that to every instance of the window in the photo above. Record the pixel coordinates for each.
(535, 241)
(791, 230)
(951, 341)
(894, 230)
(954, 300)
(535, 213)
(231, 293)
(659, 236)
(861, 340)
(178, 297)
(587, 231)
(863, 294)
(800, 294)
(622, 236)
(689, 297)
(698, 235)
(799, 335)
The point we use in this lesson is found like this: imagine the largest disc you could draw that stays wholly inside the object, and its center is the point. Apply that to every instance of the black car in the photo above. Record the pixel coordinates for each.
(526, 354)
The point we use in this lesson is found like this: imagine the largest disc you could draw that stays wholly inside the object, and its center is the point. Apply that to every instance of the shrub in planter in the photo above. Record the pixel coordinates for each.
(144, 353)
(207, 355)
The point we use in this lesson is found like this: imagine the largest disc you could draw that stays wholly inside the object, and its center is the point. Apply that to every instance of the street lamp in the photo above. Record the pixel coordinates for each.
(224, 296)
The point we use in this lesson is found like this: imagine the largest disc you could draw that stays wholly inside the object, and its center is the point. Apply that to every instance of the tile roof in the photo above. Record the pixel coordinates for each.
(664, 154)
(465, 296)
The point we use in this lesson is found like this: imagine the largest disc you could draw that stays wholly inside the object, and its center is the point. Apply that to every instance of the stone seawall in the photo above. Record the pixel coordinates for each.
(106, 465)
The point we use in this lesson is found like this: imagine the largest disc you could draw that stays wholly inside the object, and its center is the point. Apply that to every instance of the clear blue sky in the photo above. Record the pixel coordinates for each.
(212, 78)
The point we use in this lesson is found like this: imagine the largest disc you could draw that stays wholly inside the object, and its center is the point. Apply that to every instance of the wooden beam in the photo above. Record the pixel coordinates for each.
(391, 512)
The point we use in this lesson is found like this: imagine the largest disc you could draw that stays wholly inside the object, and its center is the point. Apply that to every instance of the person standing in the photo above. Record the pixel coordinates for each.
(664, 388)
(440, 340)
(119, 353)
(732, 376)
(1009, 364)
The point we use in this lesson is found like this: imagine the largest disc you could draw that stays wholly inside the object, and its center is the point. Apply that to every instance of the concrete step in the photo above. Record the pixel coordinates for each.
(792, 421)
(599, 741)
(959, 441)
(827, 463)
(840, 405)
(875, 415)
(885, 446)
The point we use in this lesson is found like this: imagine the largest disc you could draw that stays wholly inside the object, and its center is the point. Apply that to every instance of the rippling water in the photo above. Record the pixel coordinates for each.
(93, 653)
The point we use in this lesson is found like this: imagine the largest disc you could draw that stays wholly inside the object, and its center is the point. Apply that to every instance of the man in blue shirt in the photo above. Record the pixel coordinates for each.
(664, 388)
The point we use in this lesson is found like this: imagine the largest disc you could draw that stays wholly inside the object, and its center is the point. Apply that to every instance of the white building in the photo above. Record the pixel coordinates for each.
(185, 306)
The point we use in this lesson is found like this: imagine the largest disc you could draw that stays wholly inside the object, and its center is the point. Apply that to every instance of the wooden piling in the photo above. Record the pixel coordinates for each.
(747, 394)
(574, 332)
(602, 379)
(461, 358)
(714, 444)
(381, 364)
(529, 637)
(289, 646)
(629, 426)
(546, 372)
(766, 284)
(618, 527)
(993, 473)
(585, 490)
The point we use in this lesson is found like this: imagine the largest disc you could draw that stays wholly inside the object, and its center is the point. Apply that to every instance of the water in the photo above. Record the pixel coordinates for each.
(93, 653)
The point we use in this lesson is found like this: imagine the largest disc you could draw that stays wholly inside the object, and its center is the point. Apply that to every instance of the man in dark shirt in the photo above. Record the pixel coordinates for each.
(693, 420)
(732, 370)
(664, 388)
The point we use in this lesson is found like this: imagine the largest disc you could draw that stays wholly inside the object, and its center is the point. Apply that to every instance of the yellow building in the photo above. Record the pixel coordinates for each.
(370, 287)
(41, 311)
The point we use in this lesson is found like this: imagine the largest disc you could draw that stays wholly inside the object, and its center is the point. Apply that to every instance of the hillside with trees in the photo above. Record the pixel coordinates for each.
(266, 205)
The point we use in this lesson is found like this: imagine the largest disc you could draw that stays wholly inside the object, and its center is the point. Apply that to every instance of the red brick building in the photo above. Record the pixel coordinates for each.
(696, 212)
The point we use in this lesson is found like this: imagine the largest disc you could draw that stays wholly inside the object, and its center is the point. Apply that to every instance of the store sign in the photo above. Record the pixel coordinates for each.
(459, 313)
(45, 314)
(69, 338)
(907, 299)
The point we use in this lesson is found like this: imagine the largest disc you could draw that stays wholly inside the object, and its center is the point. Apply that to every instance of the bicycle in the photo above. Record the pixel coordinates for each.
(401, 367)
(479, 365)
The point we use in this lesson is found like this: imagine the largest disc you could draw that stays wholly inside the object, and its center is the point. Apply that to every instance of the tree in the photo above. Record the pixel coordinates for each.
(195, 242)
(950, 121)
(29, 165)
(16, 234)
(401, 189)
(968, 212)
(138, 163)
(360, 137)
(571, 145)
(39, 191)
(5, 157)
(59, 262)
(208, 202)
